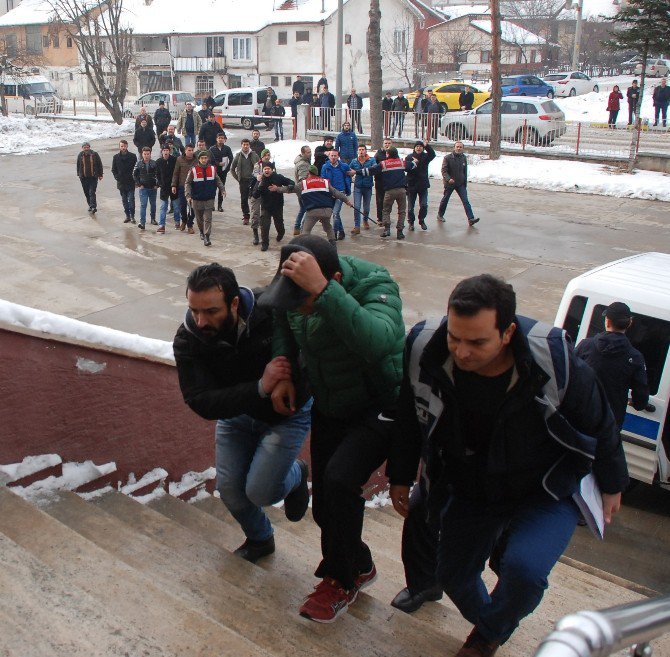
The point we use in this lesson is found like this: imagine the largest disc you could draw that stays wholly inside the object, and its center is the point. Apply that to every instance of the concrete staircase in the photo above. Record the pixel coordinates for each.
(111, 576)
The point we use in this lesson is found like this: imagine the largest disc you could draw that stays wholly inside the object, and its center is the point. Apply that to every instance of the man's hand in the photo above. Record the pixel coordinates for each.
(400, 498)
(278, 369)
(611, 504)
(349, 203)
(174, 190)
(351, 172)
(303, 269)
(273, 188)
(451, 181)
(283, 397)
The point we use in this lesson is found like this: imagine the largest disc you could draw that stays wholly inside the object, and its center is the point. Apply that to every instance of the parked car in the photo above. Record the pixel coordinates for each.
(542, 121)
(175, 101)
(572, 83)
(525, 85)
(655, 68)
(448, 92)
(243, 103)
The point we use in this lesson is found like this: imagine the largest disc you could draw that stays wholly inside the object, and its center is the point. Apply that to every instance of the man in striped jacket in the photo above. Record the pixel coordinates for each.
(202, 182)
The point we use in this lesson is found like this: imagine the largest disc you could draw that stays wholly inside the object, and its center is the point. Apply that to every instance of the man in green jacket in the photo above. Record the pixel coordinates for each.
(343, 316)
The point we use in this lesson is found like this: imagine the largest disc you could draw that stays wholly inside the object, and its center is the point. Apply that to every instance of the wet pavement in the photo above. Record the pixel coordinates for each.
(55, 256)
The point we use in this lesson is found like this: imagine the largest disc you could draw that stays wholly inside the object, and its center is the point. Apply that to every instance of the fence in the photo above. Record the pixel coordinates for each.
(601, 633)
(534, 133)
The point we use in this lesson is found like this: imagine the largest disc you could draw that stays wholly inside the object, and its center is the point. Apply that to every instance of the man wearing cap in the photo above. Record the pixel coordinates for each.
(202, 182)
(272, 202)
(222, 158)
(506, 422)
(619, 366)
(162, 118)
(89, 170)
(223, 353)
(342, 317)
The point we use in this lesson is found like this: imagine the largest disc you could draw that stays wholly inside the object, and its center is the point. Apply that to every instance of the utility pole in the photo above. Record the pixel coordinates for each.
(338, 72)
(578, 7)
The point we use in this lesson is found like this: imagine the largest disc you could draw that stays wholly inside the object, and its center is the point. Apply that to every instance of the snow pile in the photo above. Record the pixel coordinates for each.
(378, 500)
(59, 327)
(21, 135)
(30, 464)
(191, 480)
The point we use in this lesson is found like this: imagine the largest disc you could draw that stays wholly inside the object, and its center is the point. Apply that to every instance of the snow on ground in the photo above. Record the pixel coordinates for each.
(26, 135)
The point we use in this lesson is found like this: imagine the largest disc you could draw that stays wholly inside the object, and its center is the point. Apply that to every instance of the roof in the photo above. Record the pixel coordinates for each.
(512, 33)
(205, 16)
(456, 11)
(593, 9)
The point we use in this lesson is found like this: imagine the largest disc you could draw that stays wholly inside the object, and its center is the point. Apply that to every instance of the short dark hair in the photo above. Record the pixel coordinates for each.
(303, 149)
(484, 292)
(123, 141)
(206, 277)
(245, 141)
(146, 149)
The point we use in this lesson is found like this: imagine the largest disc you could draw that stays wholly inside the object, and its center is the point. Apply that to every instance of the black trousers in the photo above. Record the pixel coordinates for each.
(90, 185)
(345, 452)
(379, 200)
(356, 120)
(276, 215)
(244, 196)
(222, 177)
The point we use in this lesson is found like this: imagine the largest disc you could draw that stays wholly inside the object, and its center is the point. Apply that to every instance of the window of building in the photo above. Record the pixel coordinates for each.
(33, 39)
(242, 48)
(274, 80)
(519, 57)
(347, 39)
(55, 41)
(282, 38)
(485, 57)
(68, 42)
(418, 55)
(204, 85)
(287, 80)
(71, 76)
(234, 81)
(10, 45)
(399, 41)
(302, 35)
(45, 41)
(215, 46)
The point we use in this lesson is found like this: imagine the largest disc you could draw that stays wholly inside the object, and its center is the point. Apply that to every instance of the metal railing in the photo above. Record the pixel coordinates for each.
(601, 633)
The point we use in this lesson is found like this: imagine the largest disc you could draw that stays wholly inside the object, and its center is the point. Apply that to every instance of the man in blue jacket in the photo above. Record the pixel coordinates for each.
(338, 174)
(347, 143)
(507, 421)
(362, 189)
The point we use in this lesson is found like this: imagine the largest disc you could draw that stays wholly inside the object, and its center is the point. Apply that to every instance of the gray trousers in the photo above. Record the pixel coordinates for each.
(255, 210)
(312, 217)
(203, 215)
(399, 196)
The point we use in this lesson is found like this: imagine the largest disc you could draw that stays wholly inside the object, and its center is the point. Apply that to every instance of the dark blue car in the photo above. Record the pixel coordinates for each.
(526, 85)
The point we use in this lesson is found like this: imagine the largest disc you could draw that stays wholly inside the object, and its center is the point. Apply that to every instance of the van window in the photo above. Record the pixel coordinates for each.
(649, 335)
(10, 90)
(574, 316)
(237, 99)
(261, 95)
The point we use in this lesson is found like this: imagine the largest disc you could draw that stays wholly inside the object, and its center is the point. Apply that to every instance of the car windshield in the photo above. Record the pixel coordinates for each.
(508, 82)
(37, 88)
(550, 107)
(555, 76)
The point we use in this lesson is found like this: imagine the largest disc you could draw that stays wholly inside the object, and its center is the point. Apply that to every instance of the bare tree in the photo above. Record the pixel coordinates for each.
(104, 44)
(496, 88)
(375, 72)
(453, 42)
(396, 50)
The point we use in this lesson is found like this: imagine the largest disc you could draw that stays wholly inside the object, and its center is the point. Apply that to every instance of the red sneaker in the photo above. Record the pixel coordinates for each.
(327, 601)
(365, 579)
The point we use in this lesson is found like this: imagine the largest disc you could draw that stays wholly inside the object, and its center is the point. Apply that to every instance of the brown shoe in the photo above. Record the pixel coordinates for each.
(296, 231)
(366, 225)
(191, 230)
(356, 231)
(477, 646)
(245, 221)
(161, 229)
(183, 226)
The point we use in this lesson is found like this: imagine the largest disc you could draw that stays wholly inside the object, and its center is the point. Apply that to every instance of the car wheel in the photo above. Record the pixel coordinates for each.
(456, 131)
(550, 94)
(532, 137)
(247, 124)
(596, 88)
(573, 92)
(522, 94)
(659, 74)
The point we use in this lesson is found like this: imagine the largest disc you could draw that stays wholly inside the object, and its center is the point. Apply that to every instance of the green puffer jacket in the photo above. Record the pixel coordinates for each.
(352, 344)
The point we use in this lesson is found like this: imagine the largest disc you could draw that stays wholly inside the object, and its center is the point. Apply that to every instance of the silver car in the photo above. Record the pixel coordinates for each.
(655, 68)
(175, 101)
(536, 121)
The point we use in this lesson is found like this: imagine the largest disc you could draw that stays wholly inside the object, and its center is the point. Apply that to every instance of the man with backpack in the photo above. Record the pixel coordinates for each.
(506, 421)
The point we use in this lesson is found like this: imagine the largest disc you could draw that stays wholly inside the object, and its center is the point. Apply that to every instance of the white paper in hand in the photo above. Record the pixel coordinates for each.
(590, 502)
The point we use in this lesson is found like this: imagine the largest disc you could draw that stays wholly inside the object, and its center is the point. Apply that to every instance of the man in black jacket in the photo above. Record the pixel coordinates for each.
(146, 179)
(272, 202)
(144, 137)
(633, 96)
(618, 365)
(321, 153)
(298, 86)
(418, 182)
(399, 108)
(222, 158)
(162, 118)
(165, 169)
(169, 137)
(89, 172)
(434, 110)
(380, 156)
(455, 178)
(123, 165)
(508, 421)
(355, 105)
(226, 373)
(466, 99)
(210, 129)
(661, 99)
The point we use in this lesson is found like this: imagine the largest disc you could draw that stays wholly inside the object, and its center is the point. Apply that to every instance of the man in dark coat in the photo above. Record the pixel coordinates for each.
(210, 129)
(123, 165)
(434, 111)
(355, 105)
(272, 202)
(256, 145)
(144, 136)
(419, 110)
(632, 96)
(466, 99)
(296, 100)
(380, 156)
(222, 158)
(327, 105)
(321, 153)
(223, 353)
(165, 169)
(661, 99)
(399, 108)
(298, 86)
(455, 179)
(89, 171)
(618, 365)
(418, 182)
(162, 118)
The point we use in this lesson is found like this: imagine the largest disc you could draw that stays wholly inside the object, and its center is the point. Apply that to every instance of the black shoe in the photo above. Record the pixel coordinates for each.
(422, 223)
(140, 226)
(341, 235)
(441, 218)
(386, 232)
(409, 603)
(256, 241)
(255, 550)
(93, 210)
(132, 220)
(411, 226)
(400, 235)
(472, 222)
(154, 222)
(264, 247)
(202, 235)
(297, 501)
(126, 220)
(207, 241)
(219, 209)
(280, 234)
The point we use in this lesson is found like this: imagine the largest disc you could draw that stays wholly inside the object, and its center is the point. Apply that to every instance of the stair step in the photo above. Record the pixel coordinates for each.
(281, 593)
(125, 593)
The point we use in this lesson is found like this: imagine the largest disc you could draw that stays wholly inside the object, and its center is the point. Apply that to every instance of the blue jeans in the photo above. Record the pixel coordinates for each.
(362, 196)
(189, 139)
(537, 531)
(128, 200)
(462, 192)
(165, 205)
(300, 215)
(256, 466)
(147, 195)
(337, 220)
(279, 129)
(399, 123)
(423, 204)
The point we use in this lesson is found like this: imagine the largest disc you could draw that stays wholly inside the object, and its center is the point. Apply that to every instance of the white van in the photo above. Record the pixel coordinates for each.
(243, 104)
(642, 282)
(32, 92)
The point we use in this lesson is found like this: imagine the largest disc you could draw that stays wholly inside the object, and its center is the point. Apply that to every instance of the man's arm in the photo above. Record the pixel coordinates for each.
(187, 184)
(115, 170)
(233, 168)
(639, 388)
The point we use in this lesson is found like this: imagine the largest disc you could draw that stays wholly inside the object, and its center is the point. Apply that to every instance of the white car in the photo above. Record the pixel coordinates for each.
(175, 101)
(536, 121)
(572, 83)
(655, 68)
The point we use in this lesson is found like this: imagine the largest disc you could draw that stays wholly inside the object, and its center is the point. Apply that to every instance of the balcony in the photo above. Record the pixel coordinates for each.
(145, 58)
(198, 64)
